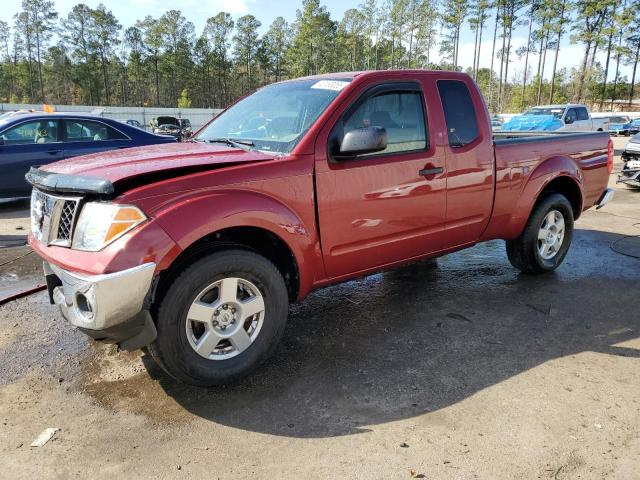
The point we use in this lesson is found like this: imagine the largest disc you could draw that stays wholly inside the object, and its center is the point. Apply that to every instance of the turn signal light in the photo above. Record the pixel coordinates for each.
(124, 219)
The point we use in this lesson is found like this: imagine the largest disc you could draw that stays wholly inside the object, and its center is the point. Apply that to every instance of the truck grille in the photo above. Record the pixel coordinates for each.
(53, 218)
(65, 225)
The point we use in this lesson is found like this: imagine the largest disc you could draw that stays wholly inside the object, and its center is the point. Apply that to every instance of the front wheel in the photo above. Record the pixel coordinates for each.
(221, 318)
(546, 238)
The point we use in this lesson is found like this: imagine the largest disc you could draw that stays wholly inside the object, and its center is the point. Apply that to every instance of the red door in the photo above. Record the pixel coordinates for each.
(389, 206)
(470, 163)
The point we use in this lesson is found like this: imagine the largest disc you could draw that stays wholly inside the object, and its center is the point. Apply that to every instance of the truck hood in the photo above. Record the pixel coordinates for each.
(119, 165)
(532, 122)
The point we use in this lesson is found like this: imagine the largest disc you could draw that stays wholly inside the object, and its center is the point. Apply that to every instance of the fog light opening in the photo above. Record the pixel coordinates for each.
(84, 305)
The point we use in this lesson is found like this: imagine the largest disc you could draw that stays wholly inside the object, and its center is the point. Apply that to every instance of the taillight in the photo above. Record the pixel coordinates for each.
(610, 156)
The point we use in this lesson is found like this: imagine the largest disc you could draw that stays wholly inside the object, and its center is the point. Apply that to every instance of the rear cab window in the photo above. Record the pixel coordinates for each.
(459, 112)
(582, 113)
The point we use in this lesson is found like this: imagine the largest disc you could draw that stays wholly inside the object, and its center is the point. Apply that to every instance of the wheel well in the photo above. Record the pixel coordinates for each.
(567, 187)
(255, 239)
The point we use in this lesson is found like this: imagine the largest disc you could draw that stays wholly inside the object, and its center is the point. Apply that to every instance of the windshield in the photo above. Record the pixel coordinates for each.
(275, 118)
(555, 111)
(618, 120)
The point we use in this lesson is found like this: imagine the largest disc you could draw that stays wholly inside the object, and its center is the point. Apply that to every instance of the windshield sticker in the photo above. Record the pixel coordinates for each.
(335, 85)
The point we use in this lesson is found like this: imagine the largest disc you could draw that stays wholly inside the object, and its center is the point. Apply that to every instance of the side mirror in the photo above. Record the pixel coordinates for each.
(568, 120)
(363, 140)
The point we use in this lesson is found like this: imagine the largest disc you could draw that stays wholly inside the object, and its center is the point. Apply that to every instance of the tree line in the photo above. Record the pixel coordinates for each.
(89, 57)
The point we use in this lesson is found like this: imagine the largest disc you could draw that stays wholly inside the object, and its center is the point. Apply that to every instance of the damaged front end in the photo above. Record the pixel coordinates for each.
(112, 307)
(630, 173)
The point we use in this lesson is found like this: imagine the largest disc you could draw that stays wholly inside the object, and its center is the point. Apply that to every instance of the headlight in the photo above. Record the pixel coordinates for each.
(102, 223)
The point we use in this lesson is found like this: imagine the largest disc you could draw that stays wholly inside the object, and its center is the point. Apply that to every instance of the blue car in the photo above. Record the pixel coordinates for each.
(32, 139)
(619, 125)
(635, 126)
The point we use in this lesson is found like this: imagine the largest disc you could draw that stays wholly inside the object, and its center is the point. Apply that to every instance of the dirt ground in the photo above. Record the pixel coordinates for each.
(464, 369)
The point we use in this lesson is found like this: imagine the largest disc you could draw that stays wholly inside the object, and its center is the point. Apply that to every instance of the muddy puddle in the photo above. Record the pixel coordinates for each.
(121, 382)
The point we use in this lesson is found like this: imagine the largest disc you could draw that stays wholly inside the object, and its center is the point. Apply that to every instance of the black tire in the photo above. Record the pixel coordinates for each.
(172, 350)
(523, 251)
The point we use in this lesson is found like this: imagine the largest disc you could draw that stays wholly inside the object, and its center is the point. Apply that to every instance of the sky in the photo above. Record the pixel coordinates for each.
(197, 11)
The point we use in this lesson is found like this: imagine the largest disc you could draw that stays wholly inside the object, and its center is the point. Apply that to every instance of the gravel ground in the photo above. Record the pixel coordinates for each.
(461, 369)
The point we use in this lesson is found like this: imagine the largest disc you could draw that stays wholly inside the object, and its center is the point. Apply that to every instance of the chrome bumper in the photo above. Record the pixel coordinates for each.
(606, 196)
(100, 302)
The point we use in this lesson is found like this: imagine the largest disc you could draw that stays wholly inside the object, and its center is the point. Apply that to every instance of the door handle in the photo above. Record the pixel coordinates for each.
(53, 151)
(431, 171)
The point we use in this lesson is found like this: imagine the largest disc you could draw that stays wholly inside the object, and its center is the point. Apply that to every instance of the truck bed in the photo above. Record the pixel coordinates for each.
(522, 157)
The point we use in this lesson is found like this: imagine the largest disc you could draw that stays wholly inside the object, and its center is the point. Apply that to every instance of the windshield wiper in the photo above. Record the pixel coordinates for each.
(238, 143)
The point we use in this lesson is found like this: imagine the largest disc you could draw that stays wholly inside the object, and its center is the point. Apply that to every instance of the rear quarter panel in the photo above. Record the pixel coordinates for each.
(525, 166)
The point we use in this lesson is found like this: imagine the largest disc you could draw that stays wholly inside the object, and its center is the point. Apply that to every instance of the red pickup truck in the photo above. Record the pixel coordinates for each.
(195, 250)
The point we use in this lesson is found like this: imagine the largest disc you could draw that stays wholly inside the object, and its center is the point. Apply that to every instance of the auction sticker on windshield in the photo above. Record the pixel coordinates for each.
(335, 85)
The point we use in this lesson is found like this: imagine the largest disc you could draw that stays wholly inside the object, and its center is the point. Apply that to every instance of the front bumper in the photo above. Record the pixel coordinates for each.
(630, 177)
(107, 307)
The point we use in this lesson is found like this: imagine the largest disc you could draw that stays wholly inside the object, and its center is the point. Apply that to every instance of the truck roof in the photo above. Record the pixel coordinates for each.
(352, 75)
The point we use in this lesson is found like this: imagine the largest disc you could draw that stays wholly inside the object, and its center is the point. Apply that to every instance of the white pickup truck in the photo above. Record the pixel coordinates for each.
(569, 118)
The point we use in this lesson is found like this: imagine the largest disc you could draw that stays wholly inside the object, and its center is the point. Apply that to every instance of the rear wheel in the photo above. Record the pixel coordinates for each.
(546, 238)
(221, 318)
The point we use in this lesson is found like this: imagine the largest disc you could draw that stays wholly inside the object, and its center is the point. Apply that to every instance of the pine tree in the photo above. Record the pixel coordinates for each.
(40, 17)
(218, 31)
(184, 101)
(246, 45)
(311, 49)
(453, 16)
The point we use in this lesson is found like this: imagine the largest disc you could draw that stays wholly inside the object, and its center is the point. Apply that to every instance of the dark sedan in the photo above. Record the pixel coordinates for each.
(32, 139)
